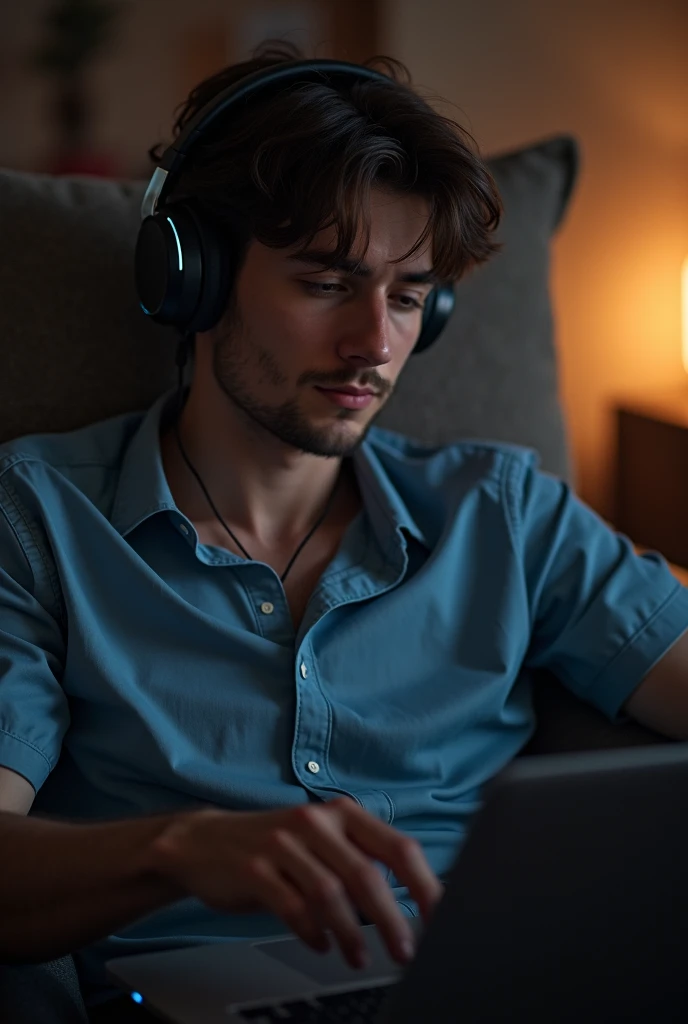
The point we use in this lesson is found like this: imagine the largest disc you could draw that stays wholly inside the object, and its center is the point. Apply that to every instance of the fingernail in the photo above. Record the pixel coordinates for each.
(407, 950)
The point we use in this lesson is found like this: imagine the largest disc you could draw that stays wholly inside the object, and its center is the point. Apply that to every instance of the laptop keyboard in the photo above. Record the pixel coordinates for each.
(359, 1006)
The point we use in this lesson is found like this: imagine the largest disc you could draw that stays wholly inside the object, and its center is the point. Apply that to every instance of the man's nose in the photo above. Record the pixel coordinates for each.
(365, 339)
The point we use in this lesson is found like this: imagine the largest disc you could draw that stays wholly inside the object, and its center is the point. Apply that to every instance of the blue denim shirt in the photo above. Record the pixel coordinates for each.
(142, 671)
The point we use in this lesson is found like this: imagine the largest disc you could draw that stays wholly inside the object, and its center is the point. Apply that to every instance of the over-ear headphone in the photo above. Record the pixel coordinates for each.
(182, 260)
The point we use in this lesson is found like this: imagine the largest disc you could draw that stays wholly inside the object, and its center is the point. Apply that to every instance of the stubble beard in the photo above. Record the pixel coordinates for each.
(236, 357)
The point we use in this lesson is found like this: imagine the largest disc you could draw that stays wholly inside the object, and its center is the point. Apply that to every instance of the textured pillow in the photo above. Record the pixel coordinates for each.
(493, 373)
(46, 993)
(76, 348)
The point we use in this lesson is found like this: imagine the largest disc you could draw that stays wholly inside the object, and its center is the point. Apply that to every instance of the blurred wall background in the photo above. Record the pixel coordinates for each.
(613, 72)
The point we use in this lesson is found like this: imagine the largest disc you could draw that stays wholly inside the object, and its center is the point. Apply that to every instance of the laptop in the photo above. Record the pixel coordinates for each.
(568, 902)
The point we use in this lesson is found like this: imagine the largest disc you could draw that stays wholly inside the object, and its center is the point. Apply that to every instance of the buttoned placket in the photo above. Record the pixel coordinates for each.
(314, 718)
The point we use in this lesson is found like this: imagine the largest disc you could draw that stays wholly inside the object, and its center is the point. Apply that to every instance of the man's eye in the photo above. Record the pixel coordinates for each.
(410, 302)
(320, 287)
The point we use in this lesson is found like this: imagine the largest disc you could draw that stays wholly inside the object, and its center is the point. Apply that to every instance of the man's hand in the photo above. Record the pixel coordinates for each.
(312, 866)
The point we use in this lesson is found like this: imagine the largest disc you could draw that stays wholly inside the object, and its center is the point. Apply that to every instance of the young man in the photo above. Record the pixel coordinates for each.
(258, 647)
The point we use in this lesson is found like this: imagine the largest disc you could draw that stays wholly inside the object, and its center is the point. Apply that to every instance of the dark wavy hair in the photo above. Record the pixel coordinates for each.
(288, 166)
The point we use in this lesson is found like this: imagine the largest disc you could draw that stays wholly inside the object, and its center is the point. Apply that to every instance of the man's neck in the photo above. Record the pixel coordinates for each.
(262, 488)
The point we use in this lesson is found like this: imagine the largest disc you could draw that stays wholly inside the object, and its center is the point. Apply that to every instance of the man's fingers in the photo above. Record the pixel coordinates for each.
(408, 862)
(371, 893)
(403, 854)
(324, 893)
(283, 899)
(366, 887)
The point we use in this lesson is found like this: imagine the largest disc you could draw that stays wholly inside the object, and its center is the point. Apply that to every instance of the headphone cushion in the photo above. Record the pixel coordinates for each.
(214, 246)
(438, 307)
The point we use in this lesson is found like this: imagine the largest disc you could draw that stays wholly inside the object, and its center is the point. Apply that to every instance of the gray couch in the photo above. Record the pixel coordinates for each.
(76, 348)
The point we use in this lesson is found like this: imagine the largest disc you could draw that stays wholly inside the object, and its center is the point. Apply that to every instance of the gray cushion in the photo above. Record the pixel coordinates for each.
(76, 347)
(493, 374)
(41, 993)
(567, 724)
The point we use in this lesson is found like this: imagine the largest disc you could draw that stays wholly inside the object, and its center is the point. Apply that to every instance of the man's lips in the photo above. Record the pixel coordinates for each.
(347, 389)
(348, 397)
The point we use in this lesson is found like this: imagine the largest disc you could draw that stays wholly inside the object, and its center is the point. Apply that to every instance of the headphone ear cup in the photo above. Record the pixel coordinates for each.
(168, 266)
(437, 310)
(215, 246)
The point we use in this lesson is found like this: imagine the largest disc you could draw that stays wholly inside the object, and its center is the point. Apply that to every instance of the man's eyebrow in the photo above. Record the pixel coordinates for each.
(322, 258)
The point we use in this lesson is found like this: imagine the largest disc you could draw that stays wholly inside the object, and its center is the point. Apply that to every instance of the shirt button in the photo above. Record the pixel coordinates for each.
(184, 528)
(267, 608)
(303, 670)
(314, 767)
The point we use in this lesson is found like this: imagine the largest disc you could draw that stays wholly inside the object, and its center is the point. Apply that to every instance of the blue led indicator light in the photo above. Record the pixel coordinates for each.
(137, 997)
(179, 244)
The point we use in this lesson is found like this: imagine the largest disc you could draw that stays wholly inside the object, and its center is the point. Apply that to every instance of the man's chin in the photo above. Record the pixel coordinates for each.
(334, 441)
(329, 447)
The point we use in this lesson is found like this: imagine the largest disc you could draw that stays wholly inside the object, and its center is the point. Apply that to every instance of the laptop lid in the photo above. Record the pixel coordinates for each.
(569, 900)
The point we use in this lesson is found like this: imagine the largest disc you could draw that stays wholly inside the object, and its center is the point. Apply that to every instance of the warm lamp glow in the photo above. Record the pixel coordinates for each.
(684, 313)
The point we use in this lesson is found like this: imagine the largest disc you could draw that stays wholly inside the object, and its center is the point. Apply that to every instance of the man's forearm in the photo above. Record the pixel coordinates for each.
(64, 885)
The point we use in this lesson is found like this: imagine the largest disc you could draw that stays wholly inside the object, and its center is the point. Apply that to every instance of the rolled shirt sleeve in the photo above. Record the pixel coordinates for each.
(34, 715)
(601, 614)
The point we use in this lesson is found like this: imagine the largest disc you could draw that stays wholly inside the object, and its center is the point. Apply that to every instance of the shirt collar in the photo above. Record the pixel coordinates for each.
(383, 503)
(142, 488)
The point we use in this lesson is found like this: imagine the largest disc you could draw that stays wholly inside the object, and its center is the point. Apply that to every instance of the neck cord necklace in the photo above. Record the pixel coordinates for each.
(181, 361)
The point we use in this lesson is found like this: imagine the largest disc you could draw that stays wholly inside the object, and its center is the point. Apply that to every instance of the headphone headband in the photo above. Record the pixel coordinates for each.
(271, 80)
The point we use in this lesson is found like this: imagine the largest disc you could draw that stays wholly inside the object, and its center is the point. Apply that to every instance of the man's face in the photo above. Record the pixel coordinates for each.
(296, 332)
